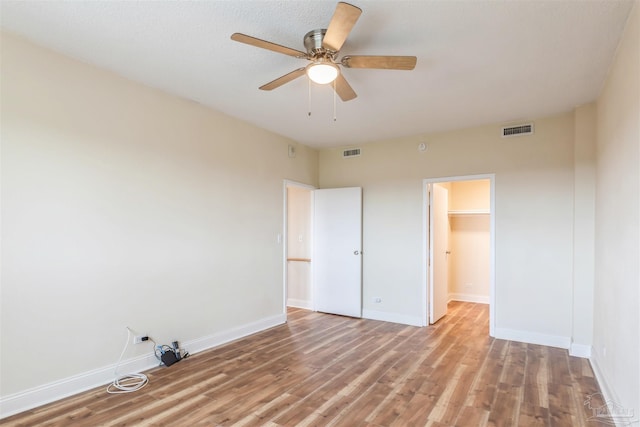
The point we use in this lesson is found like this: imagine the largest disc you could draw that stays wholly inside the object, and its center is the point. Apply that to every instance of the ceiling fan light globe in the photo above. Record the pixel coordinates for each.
(322, 73)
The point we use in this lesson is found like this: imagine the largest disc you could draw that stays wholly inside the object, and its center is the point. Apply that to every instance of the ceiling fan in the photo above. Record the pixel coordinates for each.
(323, 46)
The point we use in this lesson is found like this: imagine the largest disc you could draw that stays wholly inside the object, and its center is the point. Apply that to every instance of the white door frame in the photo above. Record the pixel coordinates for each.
(285, 240)
(425, 244)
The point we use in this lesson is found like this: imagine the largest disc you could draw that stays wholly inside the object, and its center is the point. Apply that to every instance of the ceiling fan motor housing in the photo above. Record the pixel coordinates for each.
(313, 44)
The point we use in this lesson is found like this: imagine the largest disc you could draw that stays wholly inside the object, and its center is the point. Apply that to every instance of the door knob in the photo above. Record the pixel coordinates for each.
(356, 253)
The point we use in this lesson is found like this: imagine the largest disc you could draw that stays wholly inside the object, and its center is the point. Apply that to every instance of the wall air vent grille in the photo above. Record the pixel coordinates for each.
(526, 129)
(352, 152)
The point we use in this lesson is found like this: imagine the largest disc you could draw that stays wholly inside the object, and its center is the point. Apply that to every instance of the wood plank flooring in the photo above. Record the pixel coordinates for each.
(325, 370)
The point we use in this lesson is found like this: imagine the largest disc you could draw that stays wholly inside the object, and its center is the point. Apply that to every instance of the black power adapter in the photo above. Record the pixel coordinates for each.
(169, 358)
(170, 355)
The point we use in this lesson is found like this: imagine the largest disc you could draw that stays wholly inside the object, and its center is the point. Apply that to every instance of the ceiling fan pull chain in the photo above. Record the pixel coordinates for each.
(309, 114)
(334, 100)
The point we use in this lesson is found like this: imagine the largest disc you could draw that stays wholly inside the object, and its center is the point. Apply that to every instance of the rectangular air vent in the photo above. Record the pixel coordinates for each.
(352, 152)
(526, 129)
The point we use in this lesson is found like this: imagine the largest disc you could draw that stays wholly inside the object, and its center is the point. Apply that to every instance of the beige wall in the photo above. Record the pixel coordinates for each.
(125, 206)
(617, 233)
(533, 220)
(474, 195)
(121, 204)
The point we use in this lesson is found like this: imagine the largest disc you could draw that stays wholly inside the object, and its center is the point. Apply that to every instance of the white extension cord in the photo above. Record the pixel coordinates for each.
(126, 383)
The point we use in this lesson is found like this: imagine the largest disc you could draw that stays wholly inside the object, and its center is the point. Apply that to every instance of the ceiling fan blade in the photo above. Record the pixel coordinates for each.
(284, 79)
(343, 20)
(382, 62)
(243, 38)
(343, 89)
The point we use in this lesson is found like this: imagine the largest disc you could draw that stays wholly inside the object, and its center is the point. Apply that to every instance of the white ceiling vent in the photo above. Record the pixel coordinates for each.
(525, 129)
(352, 152)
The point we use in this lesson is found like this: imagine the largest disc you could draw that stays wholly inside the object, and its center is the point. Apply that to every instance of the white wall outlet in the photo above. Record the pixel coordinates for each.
(138, 339)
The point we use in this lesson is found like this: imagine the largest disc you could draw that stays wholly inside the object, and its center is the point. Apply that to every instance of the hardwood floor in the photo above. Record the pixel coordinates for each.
(325, 370)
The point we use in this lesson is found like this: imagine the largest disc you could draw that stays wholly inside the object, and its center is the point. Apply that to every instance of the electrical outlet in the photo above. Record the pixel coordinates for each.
(137, 339)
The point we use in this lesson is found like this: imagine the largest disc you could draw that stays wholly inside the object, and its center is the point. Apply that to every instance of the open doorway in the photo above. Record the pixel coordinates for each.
(298, 226)
(322, 249)
(458, 244)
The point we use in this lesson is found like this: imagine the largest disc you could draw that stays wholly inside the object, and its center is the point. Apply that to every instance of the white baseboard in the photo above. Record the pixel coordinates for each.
(580, 350)
(479, 299)
(626, 416)
(602, 382)
(215, 340)
(392, 317)
(533, 338)
(299, 303)
(47, 393)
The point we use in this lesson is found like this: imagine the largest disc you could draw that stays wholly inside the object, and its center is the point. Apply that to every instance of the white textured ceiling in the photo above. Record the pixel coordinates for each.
(479, 62)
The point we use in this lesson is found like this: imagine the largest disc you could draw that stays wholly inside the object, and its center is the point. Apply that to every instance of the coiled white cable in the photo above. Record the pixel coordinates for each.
(126, 383)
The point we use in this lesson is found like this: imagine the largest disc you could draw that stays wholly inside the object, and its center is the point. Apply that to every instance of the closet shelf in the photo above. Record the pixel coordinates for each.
(467, 212)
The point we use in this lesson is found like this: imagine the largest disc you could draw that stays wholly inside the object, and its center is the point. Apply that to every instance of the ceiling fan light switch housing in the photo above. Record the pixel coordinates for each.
(322, 72)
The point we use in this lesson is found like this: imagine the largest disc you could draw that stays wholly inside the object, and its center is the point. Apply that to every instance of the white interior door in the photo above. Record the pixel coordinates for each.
(337, 259)
(439, 249)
